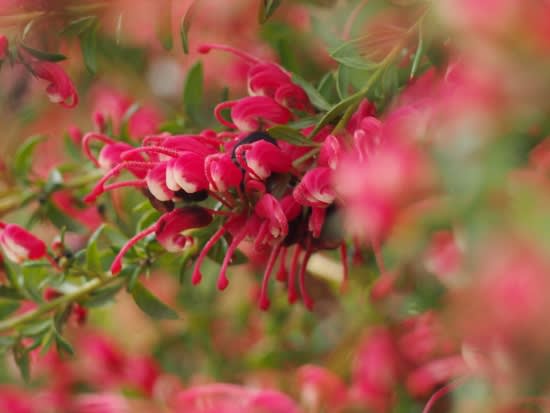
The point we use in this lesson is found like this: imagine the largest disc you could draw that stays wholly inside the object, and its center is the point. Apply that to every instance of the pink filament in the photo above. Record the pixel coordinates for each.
(197, 276)
(282, 274)
(86, 144)
(242, 160)
(150, 149)
(124, 184)
(205, 48)
(116, 266)
(292, 296)
(99, 188)
(222, 279)
(264, 299)
(308, 302)
(218, 114)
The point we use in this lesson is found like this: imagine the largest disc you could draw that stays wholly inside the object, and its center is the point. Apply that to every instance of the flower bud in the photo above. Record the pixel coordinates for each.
(20, 245)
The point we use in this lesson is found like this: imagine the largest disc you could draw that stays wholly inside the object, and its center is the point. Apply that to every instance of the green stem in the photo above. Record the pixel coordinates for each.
(86, 288)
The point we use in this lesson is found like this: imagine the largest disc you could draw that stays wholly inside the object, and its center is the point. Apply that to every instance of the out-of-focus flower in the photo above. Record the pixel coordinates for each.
(60, 89)
(3, 47)
(321, 389)
(253, 113)
(20, 245)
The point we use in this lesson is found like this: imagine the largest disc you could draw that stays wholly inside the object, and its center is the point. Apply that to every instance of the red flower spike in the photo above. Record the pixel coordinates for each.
(253, 113)
(19, 245)
(61, 89)
(221, 173)
(186, 172)
(264, 79)
(222, 278)
(156, 183)
(86, 145)
(3, 47)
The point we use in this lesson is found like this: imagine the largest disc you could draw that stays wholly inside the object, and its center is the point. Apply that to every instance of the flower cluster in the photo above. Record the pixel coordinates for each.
(267, 191)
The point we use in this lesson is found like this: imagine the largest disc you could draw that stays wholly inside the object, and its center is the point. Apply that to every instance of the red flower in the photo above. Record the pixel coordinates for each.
(20, 245)
(61, 89)
(253, 113)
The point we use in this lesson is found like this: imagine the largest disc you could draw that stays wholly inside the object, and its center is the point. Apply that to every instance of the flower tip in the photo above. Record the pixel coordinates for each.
(223, 282)
(264, 303)
(292, 296)
(204, 49)
(196, 278)
(116, 267)
(308, 303)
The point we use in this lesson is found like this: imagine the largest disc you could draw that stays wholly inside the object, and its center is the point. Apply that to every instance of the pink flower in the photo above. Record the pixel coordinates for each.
(261, 158)
(221, 172)
(60, 89)
(228, 398)
(186, 172)
(170, 231)
(100, 403)
(3, 47)
(321, 389)
(156, 183)
(375, 371)
(253, 113)
(15, 401)
(19, 245)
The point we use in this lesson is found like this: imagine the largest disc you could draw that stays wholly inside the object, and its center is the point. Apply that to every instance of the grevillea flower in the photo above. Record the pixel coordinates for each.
(186, 172)
(221, 172)
(20, 245)
(253, 113)
(3, 47)
(170, 231)
(321, 389)
(262, 158)
(268, 79)
(60, 89)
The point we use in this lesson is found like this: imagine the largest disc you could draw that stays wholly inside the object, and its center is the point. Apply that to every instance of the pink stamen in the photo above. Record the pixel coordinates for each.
(282, 274)
(345, 267)
(156, 140)
(86, 144)
(222, 279)
(99, 188)
(218, 114)
(207, 47)
(150, 149)
(219, 198)
(292, 295)
(262, 234)
(116, 266)
(308, 302)
(264, 299)
(125, 184)
(197, 276)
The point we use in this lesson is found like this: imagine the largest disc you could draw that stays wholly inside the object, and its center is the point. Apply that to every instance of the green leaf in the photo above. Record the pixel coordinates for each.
(284, 133)
(193, 92)
(88, 45)
(93, 260)
(101, 297)
(342, 81)
(78, 26)
(36, 328)
(133, 278)
(7, 307)
(335, 112)
(22, 360)
(41, 55)
(186, 25)
(63, 345)
(151, 305)
(267, 8)
(23, 157)
(313, 94)
(327, 87)
(10, 293)
(418, 54)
